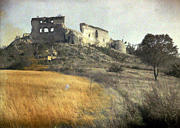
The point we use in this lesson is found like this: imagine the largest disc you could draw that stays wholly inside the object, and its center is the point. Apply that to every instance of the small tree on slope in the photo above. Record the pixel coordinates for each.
(156, 50)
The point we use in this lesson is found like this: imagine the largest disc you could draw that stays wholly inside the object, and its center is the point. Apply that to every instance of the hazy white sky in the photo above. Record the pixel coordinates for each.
(130, 20)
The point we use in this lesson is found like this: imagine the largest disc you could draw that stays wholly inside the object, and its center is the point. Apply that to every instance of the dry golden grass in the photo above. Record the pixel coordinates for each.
(39, 99)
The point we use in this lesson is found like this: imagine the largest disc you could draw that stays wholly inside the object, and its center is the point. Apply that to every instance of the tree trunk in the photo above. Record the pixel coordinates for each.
(156, 72)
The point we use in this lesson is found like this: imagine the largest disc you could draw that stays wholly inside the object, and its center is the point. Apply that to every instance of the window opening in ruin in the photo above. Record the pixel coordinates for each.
(96, 34)
(89, 35)
(41, 21)
(52, 30)
(46, 30)
(52, 21)
(40, 30)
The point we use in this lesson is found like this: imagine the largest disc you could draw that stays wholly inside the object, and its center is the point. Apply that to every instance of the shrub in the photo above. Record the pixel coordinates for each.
(115, 68)
(131, 49)
(20, 63)
(136, 67)
(174, 71)
(161, 107)
(66, 69)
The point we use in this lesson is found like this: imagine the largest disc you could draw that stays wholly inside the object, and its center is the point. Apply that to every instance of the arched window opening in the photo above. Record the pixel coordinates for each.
(96, 34)
(41, 30)
(52, 30)
(46, 30)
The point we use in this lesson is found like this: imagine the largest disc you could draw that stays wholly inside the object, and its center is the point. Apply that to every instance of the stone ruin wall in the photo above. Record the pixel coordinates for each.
(47, 29)
(95, 35)
(118, 45)
(53, 29)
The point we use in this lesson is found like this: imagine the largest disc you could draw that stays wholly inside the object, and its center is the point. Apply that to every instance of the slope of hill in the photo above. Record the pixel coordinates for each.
(60, 54)
(134, 98)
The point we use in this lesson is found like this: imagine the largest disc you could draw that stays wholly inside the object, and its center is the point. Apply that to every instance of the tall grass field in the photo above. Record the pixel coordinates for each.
(47, 99)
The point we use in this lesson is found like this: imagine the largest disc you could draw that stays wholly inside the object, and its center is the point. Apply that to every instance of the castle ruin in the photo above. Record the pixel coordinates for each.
(53, 29)
(44, 29)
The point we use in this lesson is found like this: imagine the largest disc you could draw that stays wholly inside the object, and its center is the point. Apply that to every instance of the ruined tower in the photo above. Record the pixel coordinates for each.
(48, 29)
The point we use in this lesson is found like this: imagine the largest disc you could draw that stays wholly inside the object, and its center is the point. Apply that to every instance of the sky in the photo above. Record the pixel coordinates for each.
(129, 20)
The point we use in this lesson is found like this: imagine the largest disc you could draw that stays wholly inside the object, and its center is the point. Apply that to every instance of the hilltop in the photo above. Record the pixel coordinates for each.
(56, 55)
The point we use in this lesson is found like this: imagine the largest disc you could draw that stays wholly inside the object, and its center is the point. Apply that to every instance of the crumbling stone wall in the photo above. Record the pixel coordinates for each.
(47, 29)
(72, 36)
(118, 45)
(53, 29)
(94, 35)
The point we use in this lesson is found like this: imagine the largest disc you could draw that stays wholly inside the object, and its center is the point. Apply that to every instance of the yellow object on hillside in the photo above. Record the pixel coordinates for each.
(39, 99)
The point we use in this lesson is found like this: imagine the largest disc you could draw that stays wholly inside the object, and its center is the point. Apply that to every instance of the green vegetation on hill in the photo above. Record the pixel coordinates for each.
(65, 55)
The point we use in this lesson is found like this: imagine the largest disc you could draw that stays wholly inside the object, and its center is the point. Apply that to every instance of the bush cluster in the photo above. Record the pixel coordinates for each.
(20, 63)
(174, 71)
(115, 68)
(131, 49)
(159, 109)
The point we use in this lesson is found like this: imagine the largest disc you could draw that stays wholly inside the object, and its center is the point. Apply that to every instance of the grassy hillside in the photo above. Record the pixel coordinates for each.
(41, 99)
(21, 53)
(126, 95)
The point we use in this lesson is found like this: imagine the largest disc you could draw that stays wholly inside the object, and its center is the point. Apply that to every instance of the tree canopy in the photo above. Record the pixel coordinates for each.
(156, 50)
